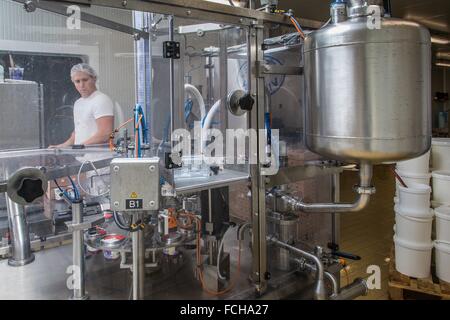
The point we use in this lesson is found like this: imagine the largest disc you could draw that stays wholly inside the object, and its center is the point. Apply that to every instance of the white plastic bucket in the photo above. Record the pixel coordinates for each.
(411, 178)
(442, 260)
(415, 200)
(440, 154)
(443, 224)
(412, 229)
(441, 187)
(412, 259)
(396, 200)
(420, 165)
(435, 204)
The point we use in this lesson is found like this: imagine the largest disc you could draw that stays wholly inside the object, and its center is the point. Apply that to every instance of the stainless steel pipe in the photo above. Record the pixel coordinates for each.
(320, 292)
(331, 278)
(137, 239)
(356, 289)
(19, 233)
(365, 190)
(333, 282)
(79, 289)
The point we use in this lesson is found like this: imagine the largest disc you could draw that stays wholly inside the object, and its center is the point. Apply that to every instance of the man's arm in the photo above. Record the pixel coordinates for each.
(68, 143)
(105, 126)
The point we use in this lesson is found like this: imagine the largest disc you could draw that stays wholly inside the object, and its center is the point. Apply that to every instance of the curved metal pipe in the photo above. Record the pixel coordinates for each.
(333, 281)
(331, 278)
(320, 292)
(365, 190)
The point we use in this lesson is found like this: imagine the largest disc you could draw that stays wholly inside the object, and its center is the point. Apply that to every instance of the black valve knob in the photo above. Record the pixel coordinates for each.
(246, 102)
(31, 189)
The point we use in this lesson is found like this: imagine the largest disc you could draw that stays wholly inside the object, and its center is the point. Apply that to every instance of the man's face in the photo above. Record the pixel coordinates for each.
(84, 83)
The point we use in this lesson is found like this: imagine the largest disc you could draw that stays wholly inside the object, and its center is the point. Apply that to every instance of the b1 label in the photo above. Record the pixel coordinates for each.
(134, 204)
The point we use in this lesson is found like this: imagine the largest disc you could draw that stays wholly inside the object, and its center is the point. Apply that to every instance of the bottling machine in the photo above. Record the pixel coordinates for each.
(224, 182)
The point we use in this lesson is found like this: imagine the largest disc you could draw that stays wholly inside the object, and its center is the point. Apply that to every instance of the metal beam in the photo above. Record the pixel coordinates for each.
(201, 10)
(61, 8)
(267, 69)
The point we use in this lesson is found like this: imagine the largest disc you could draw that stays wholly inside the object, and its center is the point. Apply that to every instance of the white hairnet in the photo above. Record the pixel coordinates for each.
(83, 67)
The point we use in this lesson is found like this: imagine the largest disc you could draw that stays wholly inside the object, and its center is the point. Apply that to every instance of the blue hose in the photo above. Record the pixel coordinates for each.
(75, 189)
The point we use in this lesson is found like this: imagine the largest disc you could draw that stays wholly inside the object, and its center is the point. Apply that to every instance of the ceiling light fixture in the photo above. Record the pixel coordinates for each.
(440, 40)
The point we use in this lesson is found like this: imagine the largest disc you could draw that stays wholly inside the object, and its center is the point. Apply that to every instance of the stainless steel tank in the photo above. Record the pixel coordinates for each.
(368, 92)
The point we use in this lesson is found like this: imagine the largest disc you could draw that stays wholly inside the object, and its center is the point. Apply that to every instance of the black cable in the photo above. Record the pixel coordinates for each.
(119, 224)
(231, 3)
(63, 192)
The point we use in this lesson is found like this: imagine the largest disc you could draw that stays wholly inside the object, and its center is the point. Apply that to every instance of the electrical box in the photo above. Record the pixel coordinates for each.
(135, 184)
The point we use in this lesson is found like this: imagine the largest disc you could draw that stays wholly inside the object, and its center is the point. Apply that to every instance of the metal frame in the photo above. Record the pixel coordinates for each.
(197, 10)
(219, 13)
(257, 90)
(85, 17)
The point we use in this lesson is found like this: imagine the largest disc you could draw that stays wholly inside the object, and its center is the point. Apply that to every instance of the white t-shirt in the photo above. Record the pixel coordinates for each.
(86, 111)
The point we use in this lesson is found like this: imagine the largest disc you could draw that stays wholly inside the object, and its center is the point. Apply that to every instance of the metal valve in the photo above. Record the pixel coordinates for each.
(239, 102)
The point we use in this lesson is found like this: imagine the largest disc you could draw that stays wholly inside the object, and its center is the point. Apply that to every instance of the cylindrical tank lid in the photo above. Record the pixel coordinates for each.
(338, 11)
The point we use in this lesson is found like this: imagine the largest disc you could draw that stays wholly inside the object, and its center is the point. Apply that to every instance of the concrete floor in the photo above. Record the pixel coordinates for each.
(369, 233)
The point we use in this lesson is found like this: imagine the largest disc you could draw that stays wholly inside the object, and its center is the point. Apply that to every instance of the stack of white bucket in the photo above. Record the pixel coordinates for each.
(414, 218)
(441, 202)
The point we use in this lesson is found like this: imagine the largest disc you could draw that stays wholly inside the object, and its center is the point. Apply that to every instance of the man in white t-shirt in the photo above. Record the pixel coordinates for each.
(93, 113)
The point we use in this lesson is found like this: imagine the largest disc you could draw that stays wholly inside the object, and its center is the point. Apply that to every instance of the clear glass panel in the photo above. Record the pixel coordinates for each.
(126, 50)
(286, 101)
(212, 65)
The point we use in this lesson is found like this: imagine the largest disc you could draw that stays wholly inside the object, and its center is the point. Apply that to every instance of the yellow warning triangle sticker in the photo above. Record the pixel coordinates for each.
(133, 195)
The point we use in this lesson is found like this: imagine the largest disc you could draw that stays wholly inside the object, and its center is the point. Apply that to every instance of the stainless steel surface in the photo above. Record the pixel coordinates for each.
(365, 190)
(20, 235)
(320, 292)
(357, 8)
(338, 12)
(258, 213)
(171, 84)
(356, 289)
(136, 182)
(56, 162)
(284, 227)
(377, 107)
(138, 260)
(328, 275)
(267, 69)
(21, 110)
(333, 281)
(79, 290)
(335, 217)
(16, 181)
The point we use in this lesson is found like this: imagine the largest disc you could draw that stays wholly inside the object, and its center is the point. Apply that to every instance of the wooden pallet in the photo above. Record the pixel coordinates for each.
(402, 287)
